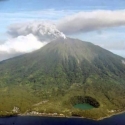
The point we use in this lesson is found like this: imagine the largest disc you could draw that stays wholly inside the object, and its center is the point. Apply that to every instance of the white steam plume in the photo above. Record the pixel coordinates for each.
(92, 20)
(42, 30)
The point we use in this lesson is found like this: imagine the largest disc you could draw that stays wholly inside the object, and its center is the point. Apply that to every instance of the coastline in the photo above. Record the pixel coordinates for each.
(54, 115)
(118, 113)
(58, 116)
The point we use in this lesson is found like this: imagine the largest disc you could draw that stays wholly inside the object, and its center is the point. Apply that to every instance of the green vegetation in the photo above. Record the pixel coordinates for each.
(61, 74)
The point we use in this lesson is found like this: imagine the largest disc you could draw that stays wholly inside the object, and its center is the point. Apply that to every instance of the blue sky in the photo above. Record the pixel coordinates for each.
(23, 5)
(18, 11)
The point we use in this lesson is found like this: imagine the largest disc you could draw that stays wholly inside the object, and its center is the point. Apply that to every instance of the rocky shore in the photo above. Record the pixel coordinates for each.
(34, 113)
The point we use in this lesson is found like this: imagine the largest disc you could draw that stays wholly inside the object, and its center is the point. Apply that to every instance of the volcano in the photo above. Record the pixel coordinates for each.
(61, 74)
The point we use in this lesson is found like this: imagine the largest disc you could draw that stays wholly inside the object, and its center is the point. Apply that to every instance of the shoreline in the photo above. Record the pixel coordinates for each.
(58, 116)
(63, 116)
(118, 113)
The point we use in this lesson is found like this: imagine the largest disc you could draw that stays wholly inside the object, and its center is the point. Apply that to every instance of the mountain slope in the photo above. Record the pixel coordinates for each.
(62, 71)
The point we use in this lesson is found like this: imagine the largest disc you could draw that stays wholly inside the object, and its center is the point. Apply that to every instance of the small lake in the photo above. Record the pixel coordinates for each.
(39, 120)
(84, 106)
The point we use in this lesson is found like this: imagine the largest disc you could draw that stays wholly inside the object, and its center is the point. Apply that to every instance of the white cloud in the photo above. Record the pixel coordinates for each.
(32, 35)
(20, 45)
(27, 37)
(92, 20)
(8, 18)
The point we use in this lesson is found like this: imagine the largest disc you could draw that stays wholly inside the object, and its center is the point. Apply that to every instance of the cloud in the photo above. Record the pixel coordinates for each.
(91, 21)
(22, 44)
(32, 35)
(44, 31)
(28, 37)
(19, 45)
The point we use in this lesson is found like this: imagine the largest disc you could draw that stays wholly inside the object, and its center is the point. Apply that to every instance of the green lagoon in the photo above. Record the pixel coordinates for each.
(84, 106)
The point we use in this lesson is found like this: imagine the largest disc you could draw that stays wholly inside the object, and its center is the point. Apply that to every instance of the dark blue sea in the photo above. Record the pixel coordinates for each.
(39, 120)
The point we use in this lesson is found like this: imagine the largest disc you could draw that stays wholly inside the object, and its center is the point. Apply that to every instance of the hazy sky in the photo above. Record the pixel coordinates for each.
(101, 22)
